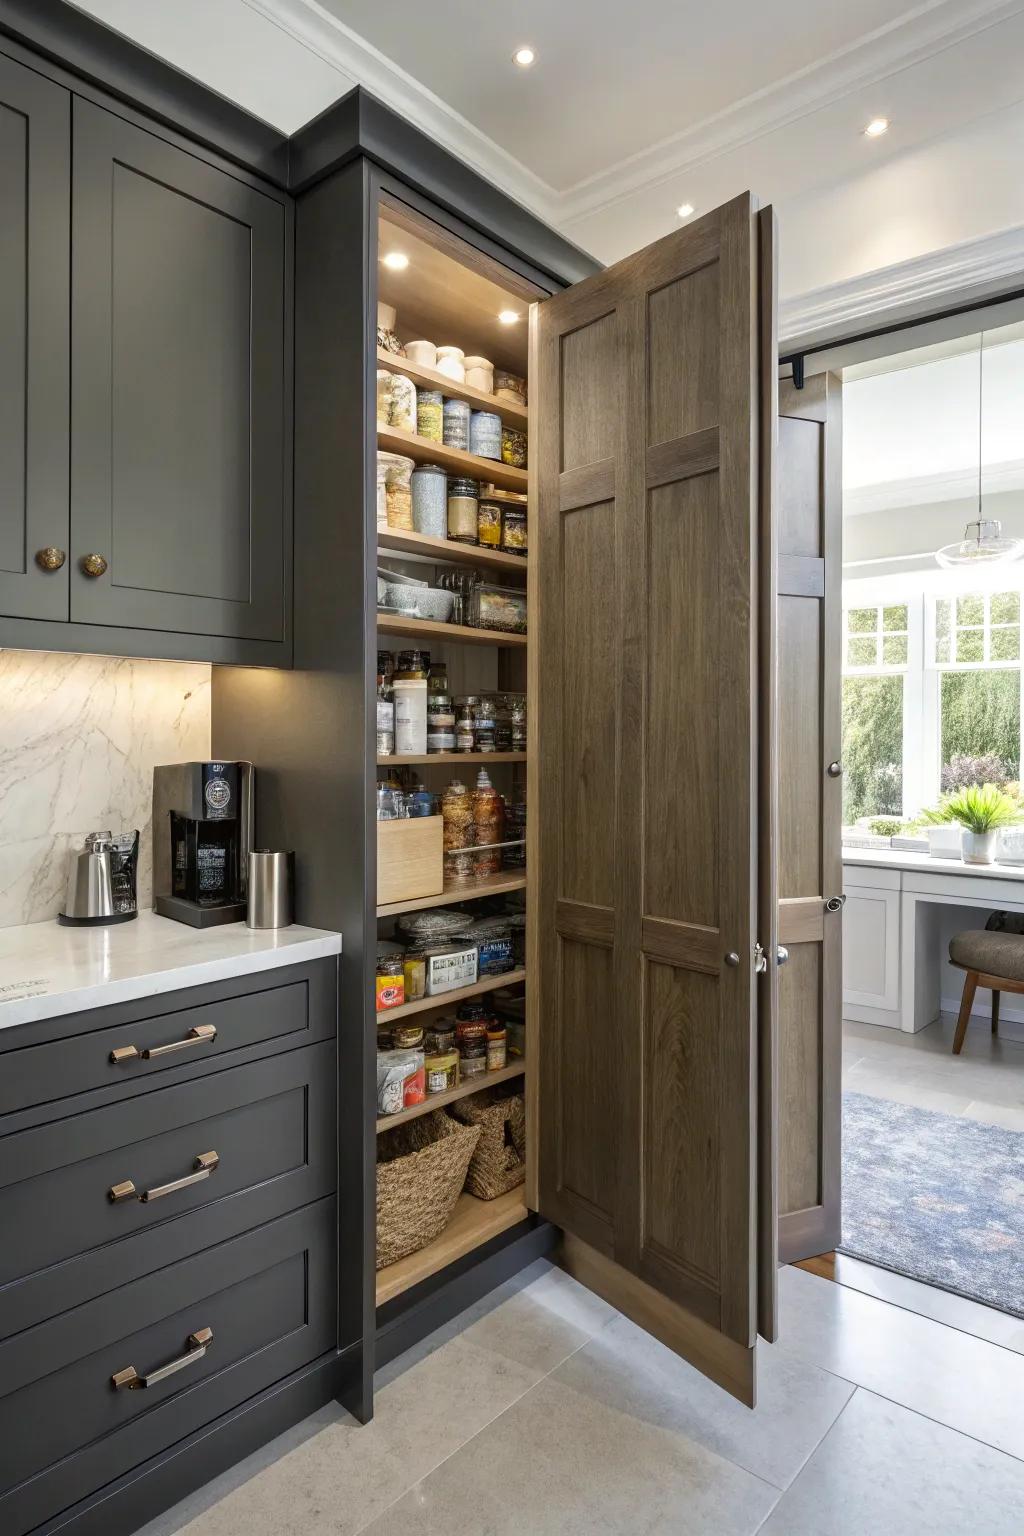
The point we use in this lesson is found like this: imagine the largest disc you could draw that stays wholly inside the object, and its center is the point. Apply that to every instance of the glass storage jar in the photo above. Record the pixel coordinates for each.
(463, 505)
(456, 424)
(485, 435)
(430, 500)
(397, 474)
(430, 414)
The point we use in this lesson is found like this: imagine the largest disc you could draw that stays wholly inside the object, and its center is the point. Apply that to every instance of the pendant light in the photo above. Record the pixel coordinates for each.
(983, 542)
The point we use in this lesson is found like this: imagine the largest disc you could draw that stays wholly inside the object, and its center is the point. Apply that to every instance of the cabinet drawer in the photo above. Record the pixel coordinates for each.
(268, 1299)
(204, 1160)
(166, 1040)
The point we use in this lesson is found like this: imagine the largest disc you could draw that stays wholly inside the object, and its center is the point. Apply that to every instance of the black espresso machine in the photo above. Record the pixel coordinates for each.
(202, 835)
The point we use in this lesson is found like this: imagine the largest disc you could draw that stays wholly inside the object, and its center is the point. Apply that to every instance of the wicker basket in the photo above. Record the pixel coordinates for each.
(421, 1168)
(499, 1162)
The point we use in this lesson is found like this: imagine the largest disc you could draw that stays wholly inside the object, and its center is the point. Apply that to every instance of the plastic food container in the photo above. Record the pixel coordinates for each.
(456, 424)
(463, 506)
(494, 607)
(396, 472)
(430, 414)
(430, 500)
(451, 362)
(510, 387)
(422, 353)
(513, 447)
(485, 435)
(403, 403)
(480, 374)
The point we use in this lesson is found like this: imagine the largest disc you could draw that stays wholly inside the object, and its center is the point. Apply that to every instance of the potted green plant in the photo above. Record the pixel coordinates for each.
(980, 810)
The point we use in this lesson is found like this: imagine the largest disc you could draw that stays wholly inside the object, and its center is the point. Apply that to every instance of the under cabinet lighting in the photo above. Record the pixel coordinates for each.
(396, 260)
(684, 210)
(524, 57)
(509, 316)
(876, 127)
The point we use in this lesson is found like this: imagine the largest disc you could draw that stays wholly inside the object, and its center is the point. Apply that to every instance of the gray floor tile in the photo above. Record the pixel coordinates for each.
(630, 1372)
(913, 1088)
(927, 1300)
(1009, 1116)
(884, 1471)
(563, 1461)
(347, 1474)
(963, 1382)
(541, 1325)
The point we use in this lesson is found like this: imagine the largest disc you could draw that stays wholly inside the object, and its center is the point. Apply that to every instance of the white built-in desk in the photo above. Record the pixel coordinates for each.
(900, 911)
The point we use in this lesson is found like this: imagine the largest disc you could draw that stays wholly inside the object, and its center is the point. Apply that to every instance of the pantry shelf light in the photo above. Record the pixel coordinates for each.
(509, 316)
(684, 210)
(524, 57)
(396, 261)
(876, 127)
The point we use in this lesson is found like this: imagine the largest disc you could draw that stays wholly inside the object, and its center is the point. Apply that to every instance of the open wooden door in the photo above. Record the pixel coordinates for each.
(810, 814)
(646, 404)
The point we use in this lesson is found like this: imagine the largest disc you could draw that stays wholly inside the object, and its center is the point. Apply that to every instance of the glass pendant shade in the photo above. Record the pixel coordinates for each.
(982, 544)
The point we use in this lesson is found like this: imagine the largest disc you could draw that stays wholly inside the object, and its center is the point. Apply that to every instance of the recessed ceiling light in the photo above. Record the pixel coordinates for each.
(509, 316)
(396, 260)
(684, 210)
(524, 57)
(876, 127)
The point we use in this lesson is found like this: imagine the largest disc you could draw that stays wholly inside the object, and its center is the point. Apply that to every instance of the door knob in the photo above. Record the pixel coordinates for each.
(781, 955)
(93, 565)
(834, 770)
(50, 558)
(835, 903)
(732, 958)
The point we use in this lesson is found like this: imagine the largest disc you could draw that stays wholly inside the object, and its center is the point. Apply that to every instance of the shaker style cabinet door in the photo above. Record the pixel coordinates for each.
(178, 461)
(644, 1000)
(35, 191)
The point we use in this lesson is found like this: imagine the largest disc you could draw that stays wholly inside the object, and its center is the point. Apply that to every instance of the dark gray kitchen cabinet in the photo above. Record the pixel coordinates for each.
(179, 462)
(35, 190)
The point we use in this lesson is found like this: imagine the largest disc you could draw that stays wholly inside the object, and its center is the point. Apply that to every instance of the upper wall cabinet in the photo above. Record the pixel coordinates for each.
(35, 159)
(178, 461)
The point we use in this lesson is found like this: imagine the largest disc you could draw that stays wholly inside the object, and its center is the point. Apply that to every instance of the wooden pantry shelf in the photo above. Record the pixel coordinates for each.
(433, 629)
(482, 759)
(439, 1100)
(455, 460)
(448, 551)
(473, 1223)
(446, 999)
(429, 378)
(492, 885)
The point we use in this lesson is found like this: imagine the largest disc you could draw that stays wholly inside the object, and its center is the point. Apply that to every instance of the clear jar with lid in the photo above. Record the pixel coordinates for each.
(385, 714)
(485, 435)
(396, 472)
(484, 723)
(463, 506)
(513, 529)
(488, 524)
(456, 425)
(413, 664)
(465, 734)
(430, 414)
(437, 678)
(429, 484)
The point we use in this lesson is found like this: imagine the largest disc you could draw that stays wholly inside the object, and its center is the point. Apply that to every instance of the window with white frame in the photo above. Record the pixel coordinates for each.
(931, 689)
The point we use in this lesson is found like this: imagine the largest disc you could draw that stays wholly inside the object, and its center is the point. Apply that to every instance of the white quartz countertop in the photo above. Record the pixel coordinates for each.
(895, 858)
(47, 970)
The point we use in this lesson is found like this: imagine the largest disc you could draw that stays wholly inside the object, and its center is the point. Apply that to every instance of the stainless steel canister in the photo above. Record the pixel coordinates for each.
(270, 889)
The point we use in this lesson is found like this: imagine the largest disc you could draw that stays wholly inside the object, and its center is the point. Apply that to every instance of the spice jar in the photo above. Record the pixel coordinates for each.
(485, 435)
(412, 664)
(397, 473)
(484, 722)
(465, 735)
(513, 447)
(488, 524)
(463, 502)
(437, 678)
(430, 414)
(497, 1048)
(440, 723)
(456, 424)
(439, 1037)
(513, 530)
(442, 1070)
(390, 982)
(429, 484)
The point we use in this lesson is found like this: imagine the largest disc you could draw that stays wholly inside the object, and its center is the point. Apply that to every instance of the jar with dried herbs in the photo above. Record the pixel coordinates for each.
(488, 823)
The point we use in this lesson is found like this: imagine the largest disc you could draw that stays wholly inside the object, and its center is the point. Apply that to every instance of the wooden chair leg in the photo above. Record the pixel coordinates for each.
(995, 1011)
(966, 1004)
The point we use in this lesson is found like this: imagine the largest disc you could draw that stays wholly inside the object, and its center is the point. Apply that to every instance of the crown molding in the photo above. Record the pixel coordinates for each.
(359, 63)
(928, 29)
(979, 269)
(961, 484)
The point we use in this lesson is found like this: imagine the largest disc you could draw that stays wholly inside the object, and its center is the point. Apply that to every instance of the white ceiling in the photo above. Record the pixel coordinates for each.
(633, 108)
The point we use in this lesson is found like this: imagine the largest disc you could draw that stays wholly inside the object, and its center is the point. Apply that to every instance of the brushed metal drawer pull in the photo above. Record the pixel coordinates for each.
(205, 1164)
(203, 1034)
(196, 1346)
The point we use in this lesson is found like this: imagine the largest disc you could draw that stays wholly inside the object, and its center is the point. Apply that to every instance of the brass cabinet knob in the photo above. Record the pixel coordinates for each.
(50, 558)
(93, 565)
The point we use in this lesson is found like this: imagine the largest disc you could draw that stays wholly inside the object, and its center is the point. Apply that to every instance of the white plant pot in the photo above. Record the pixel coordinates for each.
(944, 842)
(979, 847)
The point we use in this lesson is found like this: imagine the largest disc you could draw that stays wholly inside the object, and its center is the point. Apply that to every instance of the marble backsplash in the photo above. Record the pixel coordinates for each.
(79, 737)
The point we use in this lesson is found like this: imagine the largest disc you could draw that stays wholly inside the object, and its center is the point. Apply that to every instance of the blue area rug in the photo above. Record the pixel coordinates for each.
(937, 1197)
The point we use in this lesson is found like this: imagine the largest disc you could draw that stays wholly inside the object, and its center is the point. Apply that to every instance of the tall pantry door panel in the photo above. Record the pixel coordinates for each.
(810, 535)
(643, 864)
